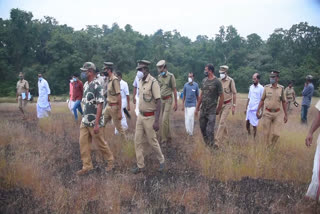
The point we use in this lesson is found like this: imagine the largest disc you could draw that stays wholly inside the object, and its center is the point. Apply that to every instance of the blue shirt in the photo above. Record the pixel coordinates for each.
(307, 94)
(190, 92)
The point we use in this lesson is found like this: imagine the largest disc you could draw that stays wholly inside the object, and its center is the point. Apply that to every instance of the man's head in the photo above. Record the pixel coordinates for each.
(162, 67)
(119, 75)
(88, 70)
(39, 76)
(108, 68)
(144, 69)
(309, 78)
(143, 62)
(290, 84)
(75, 76)
(209, 70)
(274, 76)
(190, 77)
(223, 71)
(21, 76)
(255, 78)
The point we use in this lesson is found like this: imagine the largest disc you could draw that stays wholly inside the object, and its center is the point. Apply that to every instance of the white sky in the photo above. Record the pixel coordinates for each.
(190, 18)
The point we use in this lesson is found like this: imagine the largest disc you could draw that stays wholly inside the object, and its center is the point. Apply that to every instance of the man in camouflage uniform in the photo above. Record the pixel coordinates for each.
(92, 124)
(148, 119)
(229, 103)
(272, 98)
(290, 95)
(211, 90)
(113, 109)
(22, 88)
(167, 84)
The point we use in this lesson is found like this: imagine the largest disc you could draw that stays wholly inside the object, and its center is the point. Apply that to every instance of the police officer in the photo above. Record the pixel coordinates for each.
(22, 89)
(211, 90)
(92, 124)
(229, 103)
(167, 84)
(113, 109)
(272, 98)
(290, 96)
(148, 119)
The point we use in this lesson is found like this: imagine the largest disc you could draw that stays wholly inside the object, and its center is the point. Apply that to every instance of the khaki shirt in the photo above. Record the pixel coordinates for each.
(273, 97)
(113, 89)
(289, 92)
(149, 91)
(22, 87)
(229, 88)
(167, 84)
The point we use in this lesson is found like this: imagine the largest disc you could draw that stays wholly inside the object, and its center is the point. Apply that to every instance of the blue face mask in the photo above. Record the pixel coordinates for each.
(75, 79)
(272, 80)
(83, 75)
(163, 73)
(40, 78)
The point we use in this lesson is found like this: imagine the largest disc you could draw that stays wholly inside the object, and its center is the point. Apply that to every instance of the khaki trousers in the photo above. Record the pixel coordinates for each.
(86, 136)
(144, 127)
(111, 113)
(166, 106)
(222, 132)
(271, 126)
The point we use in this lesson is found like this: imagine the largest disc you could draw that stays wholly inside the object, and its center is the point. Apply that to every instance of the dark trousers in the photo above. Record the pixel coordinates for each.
(207, 121)
(304, 113)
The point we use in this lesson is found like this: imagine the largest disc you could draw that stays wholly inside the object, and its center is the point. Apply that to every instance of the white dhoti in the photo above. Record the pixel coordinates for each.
(124, 123)
(189, 119)
(252, 117)
(43, 105)
(137, 106)
(313, 190)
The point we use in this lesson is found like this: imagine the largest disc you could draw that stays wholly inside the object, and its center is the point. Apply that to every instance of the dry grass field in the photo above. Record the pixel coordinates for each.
(39, 158)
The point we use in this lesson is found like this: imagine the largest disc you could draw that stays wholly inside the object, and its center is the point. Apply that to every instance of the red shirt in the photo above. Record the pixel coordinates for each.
(77, 90)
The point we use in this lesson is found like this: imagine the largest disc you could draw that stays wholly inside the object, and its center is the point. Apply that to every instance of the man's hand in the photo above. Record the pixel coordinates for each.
(182, 107)
(258, 115)
(218, 111)
(134, 100)
(128, 108)
(119, 115)
(16, 98)
(156, 126)
(48, 99)
(285, 119)
(309, 140)
(96, 129)
(196, 112)
(175, 107)
(245, 112)
(233, 109)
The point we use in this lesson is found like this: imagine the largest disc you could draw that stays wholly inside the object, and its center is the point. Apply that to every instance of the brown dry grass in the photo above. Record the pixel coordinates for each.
(44, 155)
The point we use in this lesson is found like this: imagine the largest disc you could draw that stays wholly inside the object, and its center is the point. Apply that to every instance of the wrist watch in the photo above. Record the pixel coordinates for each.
(234, 104)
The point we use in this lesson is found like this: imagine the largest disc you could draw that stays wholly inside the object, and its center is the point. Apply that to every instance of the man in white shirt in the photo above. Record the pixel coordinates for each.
(254, 97)
(43, 104)
(125, 101)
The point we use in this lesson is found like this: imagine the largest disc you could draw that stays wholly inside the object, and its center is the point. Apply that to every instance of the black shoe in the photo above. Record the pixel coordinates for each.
(137, 170)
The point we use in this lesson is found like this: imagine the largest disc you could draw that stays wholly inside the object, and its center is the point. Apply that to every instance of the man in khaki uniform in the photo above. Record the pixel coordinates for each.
(167, 84)
(92, 123)
(113, 109)
(148, 119)
(290, 95)
(272, 98)
(229, 103)
(22, 94)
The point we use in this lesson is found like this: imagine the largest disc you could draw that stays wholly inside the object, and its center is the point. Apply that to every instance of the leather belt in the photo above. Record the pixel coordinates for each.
(147, 114)
(113, 104)
(226, 102)
(273, 110)
(166, 97)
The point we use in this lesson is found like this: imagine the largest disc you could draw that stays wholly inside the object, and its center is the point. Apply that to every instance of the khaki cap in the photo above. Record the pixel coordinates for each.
(223, 68)
(88, 65)
(144, 62)
(274, 73)
(161, 63)
(141, 66)
(107, 65)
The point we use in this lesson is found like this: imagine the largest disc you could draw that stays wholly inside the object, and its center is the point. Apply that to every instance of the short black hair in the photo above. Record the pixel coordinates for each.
(119, 74)
(258, 76)
(191, 73)
(210, 67)
(76, 75)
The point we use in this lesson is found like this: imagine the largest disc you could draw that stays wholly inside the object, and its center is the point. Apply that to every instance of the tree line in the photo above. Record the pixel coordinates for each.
(35, 46)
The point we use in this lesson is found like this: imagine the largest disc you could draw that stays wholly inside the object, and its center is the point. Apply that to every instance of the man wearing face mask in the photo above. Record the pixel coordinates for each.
(272, 98)
(211, 91)
(77, 95)
(22, 94)
(229, 103)
(43, 103)
(189, 102)
(254, 97)
(136, 84)
(113, 110)
(92, 123)
(148, 120)
(167, 84)
(290, 95)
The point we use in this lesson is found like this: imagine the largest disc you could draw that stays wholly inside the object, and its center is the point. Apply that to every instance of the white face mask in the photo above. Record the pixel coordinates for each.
(139, 75)
(189, 79)
(222, 76)
(98, 75)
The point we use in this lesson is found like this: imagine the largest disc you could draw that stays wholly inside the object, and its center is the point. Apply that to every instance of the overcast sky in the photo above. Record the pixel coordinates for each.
(190, 18)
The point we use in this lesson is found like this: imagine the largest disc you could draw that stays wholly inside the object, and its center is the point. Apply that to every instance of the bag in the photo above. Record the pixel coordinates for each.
(71, 105)
(314, 190)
